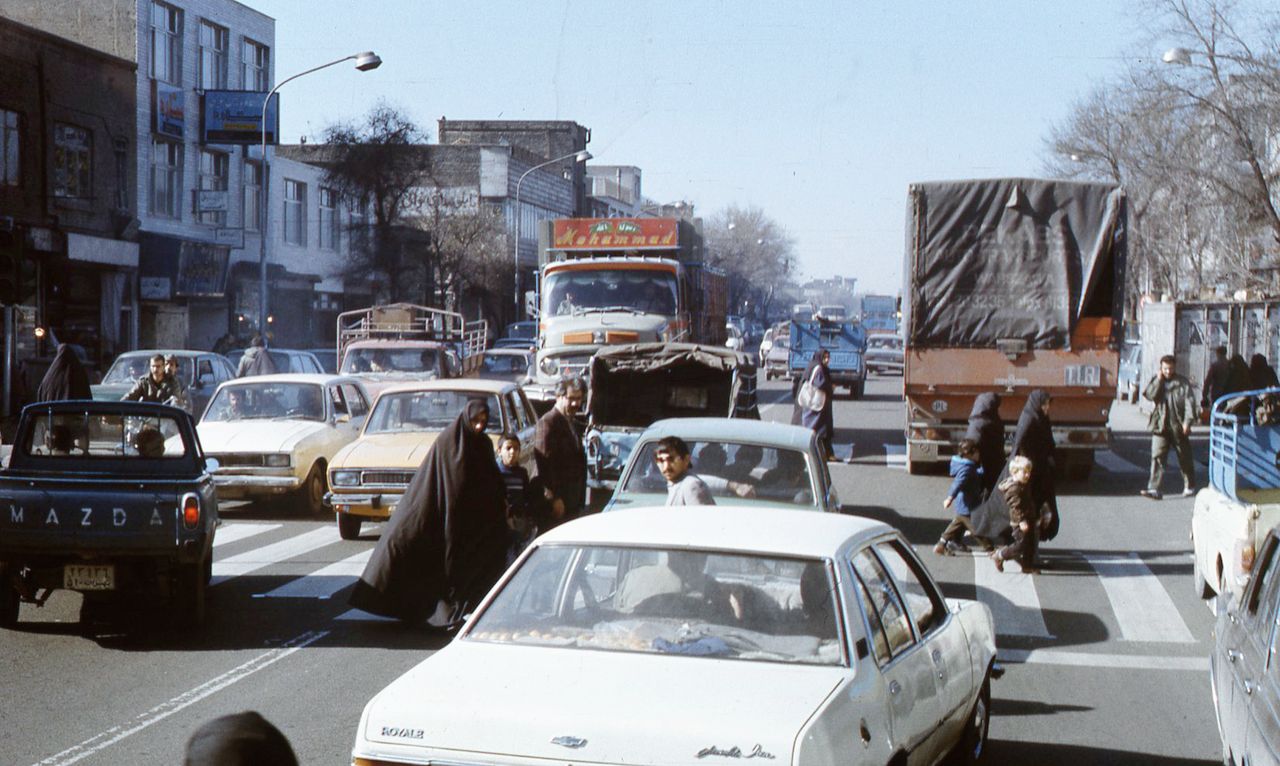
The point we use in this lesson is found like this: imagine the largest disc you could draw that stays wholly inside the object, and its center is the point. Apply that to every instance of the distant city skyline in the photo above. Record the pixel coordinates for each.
(818, 113)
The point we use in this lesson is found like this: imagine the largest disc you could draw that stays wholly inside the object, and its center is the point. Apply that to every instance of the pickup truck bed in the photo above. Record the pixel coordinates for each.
(101, 517)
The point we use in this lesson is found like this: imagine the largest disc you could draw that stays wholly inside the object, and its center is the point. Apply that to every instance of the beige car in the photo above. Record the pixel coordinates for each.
(368, 476)
(276, 434)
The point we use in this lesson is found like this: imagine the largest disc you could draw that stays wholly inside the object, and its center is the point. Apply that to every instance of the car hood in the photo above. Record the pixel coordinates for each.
(403, 450)
(593, 706)
(256, 435)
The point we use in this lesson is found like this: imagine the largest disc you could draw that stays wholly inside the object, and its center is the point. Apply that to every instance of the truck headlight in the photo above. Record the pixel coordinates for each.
(276, 460)
(345, 478)
(549, 365)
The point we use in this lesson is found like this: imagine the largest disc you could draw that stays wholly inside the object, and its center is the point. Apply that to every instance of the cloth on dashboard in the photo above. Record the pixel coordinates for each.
(65, 379)
(448, 536)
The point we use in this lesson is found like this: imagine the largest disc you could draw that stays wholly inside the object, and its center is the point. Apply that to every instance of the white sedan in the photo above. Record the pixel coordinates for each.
(714, 634)
(276, 434)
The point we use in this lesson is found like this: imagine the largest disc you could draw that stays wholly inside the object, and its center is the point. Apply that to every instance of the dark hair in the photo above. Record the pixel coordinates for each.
(565, 386)
(158, 358)
(674, 445)
(968, 448)
(1221, 351)
(257, 340)
(506, 438)
(1169, 359)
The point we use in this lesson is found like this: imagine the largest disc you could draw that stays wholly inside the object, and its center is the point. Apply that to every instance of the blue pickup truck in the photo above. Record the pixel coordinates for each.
(847, 342)
(110, 499)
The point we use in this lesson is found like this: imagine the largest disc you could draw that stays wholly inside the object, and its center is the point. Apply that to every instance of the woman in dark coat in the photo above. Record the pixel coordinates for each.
(447, 539)
(987, 429)
(1260, 373)
(1033, 438)
(65, 379)
(821, 422)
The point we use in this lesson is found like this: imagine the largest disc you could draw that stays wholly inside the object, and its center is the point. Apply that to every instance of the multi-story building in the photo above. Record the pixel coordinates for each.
(67, 197)
(614, 191)
(197, 202)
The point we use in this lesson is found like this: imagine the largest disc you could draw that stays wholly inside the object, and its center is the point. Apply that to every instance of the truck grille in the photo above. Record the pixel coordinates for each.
(240, 460)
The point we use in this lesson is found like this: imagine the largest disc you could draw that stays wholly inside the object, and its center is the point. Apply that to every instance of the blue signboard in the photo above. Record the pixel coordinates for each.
(235, 117)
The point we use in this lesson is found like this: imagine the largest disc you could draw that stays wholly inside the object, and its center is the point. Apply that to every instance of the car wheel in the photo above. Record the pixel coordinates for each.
(1199, 583)
(348, 526)
(973, 744)
(914, 467)
(191, 592)
(9, 600)
(310, 497)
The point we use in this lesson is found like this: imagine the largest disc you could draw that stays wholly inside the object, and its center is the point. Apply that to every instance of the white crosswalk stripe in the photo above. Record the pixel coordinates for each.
(1113, 463)
(895, 456)
(260, 558)
(230, 533)
(324, 583)
(1012, 598)
(1140, 603)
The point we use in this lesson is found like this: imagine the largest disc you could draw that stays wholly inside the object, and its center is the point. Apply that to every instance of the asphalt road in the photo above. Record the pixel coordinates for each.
(1106, 650)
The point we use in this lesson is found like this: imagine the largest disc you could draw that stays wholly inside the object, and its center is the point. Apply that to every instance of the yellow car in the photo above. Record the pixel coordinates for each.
(368, 476)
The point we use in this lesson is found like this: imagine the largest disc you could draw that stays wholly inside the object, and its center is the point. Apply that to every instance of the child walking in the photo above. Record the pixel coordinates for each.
(1024, 516)
(963, 496)
(523, 496)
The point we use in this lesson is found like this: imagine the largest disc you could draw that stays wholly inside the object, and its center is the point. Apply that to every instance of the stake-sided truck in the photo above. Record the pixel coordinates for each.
(618, 281)
(1012, 285)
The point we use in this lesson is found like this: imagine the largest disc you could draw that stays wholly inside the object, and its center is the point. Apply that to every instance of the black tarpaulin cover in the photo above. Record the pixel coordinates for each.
(642, 382)
(1010, 258)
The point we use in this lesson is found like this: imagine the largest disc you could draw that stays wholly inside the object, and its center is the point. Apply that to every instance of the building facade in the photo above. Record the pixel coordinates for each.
(67, 196)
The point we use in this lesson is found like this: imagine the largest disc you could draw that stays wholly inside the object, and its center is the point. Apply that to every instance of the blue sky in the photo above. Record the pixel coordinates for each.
(819, 113)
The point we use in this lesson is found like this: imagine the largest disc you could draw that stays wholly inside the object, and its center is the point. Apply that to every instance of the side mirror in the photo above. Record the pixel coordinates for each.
(211, 464)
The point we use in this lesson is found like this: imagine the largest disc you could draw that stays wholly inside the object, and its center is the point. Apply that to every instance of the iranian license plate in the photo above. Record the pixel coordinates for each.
(89, 577)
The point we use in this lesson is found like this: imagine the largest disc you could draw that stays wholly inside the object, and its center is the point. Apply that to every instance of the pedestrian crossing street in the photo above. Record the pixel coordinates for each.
(1142, 621)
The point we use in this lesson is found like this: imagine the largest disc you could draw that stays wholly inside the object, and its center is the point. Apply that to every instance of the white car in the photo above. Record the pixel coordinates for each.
(276, 434)
(710, 635)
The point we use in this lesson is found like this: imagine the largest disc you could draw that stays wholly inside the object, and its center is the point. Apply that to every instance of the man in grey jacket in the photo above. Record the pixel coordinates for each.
(1170, 423)
(683, 486)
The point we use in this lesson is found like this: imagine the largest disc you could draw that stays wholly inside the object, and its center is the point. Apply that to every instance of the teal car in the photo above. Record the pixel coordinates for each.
(743, 462)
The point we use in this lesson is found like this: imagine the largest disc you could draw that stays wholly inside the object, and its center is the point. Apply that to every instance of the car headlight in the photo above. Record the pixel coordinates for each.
(276, 460)
(345, 478)
(549, 365)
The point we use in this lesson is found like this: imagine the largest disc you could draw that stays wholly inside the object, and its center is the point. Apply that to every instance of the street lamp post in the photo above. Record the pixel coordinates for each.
(364, 62)
(581, 156)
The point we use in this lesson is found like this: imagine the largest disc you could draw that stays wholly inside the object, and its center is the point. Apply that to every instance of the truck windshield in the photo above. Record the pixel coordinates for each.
(578, 291)
(414, 359)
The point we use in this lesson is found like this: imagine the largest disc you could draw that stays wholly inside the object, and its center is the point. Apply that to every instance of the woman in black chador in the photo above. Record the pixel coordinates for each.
(1033, 438)
(446, 543)
(987, 430)
(65, 379)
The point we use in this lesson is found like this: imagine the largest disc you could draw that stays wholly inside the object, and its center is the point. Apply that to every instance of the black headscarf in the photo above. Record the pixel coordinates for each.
(987, 429)
(1260, 373)
(1239, 377)
(242, 739)
(1033, 438)
(65, 379)
(448, 536)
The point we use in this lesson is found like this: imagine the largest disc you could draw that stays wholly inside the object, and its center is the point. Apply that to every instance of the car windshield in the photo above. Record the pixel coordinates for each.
(696, 603)
(129, 368)
(266, 401)
(504, 365)
(426, 411)
(81, 435)
(780, 476)
(523, 330)
(640, 290)
(375, 360)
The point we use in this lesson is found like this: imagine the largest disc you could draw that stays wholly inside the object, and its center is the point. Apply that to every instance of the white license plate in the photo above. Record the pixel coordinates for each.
(89, 577)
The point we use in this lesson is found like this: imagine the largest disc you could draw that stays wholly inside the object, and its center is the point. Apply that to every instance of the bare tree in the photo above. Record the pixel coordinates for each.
(757, 255)
(374, 164)
(468, 260)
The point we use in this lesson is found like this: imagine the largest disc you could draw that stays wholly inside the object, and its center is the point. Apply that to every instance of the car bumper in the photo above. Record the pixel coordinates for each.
(237, 487)
(366, 505)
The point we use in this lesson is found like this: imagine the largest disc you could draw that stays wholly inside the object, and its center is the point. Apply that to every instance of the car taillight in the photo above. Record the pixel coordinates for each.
(190, 510)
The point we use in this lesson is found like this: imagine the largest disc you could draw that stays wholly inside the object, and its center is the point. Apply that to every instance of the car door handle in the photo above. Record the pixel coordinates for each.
(1248, 687)
(894, 687)
(1233, 655)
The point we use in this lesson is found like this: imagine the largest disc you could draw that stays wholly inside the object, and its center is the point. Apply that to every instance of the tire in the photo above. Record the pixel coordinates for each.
(348, 526)
(309, 499)
(973, 743)
(191, 593)
(9, 600)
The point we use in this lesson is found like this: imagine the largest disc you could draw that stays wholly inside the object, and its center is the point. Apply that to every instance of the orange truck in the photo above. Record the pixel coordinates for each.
(1012, 285)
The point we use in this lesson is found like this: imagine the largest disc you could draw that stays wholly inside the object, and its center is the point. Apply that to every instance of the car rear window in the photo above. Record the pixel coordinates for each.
(79, 435)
